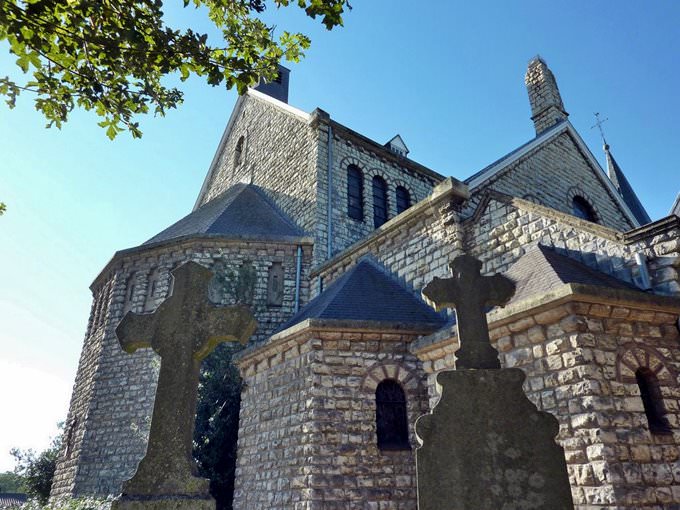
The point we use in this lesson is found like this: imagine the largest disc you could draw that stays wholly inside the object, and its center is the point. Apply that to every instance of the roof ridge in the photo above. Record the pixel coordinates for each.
(275, 207)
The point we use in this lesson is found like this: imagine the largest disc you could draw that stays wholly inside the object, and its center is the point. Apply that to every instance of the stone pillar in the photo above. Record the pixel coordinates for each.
(544, 96)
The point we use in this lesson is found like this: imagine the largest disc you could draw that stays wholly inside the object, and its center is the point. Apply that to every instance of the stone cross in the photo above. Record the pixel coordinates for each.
(183, 330)
(470, 294)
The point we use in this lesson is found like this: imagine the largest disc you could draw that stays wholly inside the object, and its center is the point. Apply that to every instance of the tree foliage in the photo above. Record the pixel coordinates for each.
(37, 470)
(3, 208)
(217, 415)
(10, 482)
(111, 56)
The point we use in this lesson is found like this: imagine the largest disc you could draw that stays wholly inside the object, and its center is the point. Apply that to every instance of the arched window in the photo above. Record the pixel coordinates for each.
(653, 401)
(379, 201)
(275, 284)
(130, 290)
(355, 193)
(403, 199)
(238, 151)
(582, 209)
(390, 416)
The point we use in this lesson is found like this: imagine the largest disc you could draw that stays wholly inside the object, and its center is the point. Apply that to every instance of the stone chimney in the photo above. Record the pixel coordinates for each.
(544, 96)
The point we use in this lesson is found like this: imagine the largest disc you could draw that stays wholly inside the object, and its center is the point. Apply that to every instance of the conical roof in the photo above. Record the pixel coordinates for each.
(242, 211)
(368, 293)
(624, 188)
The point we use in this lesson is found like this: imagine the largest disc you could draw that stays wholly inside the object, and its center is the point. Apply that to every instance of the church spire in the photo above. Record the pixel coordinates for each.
(624, 188)
(544, 96)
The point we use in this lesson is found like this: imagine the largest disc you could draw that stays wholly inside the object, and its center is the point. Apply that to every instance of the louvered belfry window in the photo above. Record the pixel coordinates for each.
(390, 416)
(379, 201)
(355, 193)
(403, 199)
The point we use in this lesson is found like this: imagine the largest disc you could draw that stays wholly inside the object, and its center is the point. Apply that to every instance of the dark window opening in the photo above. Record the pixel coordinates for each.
(379, 201)
(275, 284)
(403, 199)
(238, 151)
(582, 209)
(390, 416)
(652, 401)
(70, 437)
(355, 193)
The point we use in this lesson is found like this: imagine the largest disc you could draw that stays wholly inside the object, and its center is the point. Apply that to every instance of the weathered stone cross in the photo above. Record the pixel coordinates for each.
(470, 294)
(184, 329)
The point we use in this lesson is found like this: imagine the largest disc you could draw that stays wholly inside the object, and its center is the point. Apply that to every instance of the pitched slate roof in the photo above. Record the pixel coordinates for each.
(367, 293)
(542, 270)
(241, 211)
(624, 188)
(676, 206)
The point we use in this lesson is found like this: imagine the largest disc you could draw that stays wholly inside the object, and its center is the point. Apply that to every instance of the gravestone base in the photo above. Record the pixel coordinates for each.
(486, 445)
(163, 503)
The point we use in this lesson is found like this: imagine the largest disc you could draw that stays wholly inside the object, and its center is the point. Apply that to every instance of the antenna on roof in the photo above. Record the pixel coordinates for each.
(598, 125)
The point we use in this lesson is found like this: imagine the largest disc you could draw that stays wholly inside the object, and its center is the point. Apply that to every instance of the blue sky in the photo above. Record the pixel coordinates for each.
(447, 76)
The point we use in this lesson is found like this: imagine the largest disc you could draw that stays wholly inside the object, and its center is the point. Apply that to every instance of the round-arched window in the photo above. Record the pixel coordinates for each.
(390, 416)
(582, 209)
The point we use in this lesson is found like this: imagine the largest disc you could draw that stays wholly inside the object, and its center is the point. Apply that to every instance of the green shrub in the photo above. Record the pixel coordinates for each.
(70, 504)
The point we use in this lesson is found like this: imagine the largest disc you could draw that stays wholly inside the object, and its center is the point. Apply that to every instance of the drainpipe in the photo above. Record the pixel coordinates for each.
(329, 212)
(298, 270)
(644, 271)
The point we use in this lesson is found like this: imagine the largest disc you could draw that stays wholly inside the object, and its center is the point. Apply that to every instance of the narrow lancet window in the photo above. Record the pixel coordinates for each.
(275, 284)
(238, 152)
(390, 416)
(355, 193)
(379, 201)
(652, 401)
(403, 199)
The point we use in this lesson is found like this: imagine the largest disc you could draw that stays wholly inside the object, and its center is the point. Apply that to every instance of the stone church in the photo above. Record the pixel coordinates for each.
(329, 236)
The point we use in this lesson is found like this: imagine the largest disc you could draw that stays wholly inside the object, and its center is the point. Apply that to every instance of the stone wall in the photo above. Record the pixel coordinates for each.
(114, 392)
(308, 427)
(580, 359)
(504, 228)
(278, 154)
(551, 175)
(416, 246)
(349, 148)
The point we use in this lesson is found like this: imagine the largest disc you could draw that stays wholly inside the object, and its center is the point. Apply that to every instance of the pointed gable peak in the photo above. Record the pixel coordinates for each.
(396, 144)
(624, 188)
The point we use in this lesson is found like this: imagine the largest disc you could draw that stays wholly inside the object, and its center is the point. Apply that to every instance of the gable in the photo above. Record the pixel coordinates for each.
(272, 145)
(551, 170)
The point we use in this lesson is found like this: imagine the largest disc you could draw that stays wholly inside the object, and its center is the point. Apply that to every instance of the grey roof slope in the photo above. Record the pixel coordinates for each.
(624, 188)
(241, 211)
(367, 293)
(542, 270)
(676, 206)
